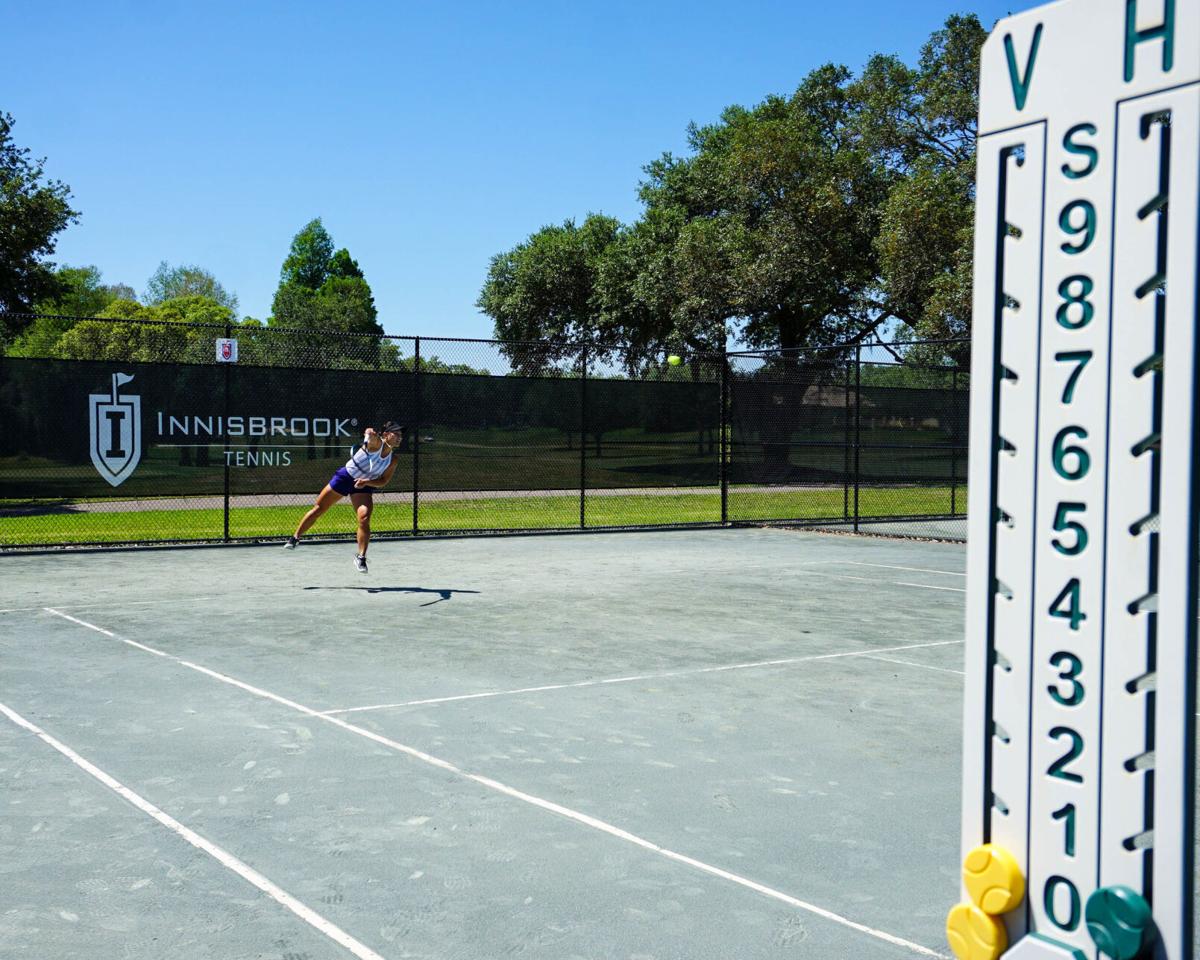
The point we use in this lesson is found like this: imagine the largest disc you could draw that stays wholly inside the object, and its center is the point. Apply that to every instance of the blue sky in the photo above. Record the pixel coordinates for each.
(427, 137)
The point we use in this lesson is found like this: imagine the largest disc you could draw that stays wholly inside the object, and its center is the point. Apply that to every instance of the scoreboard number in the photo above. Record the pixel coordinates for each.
(1084, 532)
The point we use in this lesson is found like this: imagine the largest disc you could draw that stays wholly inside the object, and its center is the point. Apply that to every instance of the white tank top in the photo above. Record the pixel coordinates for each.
(364, 465)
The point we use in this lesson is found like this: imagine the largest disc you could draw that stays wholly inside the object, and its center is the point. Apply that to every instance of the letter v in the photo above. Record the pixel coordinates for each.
(1021, 85)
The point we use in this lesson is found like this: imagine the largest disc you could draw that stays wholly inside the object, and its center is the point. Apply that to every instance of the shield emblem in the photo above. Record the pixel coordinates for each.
(115, 431)
(226, 349)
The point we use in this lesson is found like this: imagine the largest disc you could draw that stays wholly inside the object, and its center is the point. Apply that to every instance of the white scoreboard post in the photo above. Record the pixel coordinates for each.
(1079, 734)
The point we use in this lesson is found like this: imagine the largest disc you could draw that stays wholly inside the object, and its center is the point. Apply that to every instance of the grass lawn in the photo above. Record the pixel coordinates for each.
(394, 515)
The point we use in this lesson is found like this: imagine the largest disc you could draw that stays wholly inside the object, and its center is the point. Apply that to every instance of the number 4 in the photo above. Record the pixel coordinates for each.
(1069, 596)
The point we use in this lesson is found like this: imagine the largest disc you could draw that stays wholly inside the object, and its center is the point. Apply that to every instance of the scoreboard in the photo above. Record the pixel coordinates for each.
(1078, 790)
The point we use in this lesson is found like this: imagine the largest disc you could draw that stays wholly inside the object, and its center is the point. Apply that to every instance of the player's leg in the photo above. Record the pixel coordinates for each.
(363, 504)
(325, 499)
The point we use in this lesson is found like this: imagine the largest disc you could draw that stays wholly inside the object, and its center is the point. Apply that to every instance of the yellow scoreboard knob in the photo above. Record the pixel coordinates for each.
(993, 879)
(975, 935)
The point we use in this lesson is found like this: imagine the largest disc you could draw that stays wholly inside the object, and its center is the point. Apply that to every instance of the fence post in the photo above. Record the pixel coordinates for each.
(954, 442)
(723, 447)
(857, 427)
(583, 438)
(225, 434)
(846, 450)
(416, 476)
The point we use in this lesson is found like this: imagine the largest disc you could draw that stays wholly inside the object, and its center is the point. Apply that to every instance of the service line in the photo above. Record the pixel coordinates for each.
(548, 805)
(223, 857)
(913, 663)
(894, 583)
(890, 566)
(645, 676)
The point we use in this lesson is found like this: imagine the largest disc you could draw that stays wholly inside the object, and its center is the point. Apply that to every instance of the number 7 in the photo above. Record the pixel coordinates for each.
(1080, 357)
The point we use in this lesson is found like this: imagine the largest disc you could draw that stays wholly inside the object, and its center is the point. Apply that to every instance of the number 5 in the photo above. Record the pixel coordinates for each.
(1062, 524)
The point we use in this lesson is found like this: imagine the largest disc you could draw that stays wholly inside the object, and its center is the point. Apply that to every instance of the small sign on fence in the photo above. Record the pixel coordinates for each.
(226, 350)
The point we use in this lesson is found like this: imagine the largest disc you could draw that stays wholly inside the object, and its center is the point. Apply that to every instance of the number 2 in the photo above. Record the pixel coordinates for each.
(1058, 767)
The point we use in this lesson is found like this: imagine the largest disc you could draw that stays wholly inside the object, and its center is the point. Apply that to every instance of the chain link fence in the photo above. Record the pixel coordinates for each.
(137, 432)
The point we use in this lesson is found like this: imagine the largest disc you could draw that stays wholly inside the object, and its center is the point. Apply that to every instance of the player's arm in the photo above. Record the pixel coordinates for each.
(372, 440)
(387, 474)
(382, 481)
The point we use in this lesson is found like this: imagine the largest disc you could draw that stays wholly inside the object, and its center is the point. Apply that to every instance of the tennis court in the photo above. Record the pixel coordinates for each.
(687, 744)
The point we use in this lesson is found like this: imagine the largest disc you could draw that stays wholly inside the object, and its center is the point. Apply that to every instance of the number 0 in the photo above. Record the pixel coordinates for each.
(1072, 920)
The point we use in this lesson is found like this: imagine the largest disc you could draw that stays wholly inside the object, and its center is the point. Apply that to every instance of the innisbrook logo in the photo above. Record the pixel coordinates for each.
(115, 431)
(115, 434)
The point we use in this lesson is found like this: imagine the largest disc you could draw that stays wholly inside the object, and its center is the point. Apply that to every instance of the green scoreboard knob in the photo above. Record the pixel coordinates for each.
(1119, 921)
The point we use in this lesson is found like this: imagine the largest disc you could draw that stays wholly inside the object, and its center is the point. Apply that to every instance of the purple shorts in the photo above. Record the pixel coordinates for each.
(343, 483)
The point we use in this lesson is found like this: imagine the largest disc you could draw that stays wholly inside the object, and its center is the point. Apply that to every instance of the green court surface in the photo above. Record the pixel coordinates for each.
(656, 746)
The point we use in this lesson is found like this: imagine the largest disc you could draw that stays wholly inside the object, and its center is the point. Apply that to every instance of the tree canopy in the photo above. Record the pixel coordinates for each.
(321, 288)
(818, 218)
(81, 293)
(33, 211)
(171, 283)
(545, 289)
(157, 333)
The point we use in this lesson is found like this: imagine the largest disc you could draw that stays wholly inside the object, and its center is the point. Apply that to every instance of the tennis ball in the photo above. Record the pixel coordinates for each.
(973, 934)
(674, 360)
(993, 879)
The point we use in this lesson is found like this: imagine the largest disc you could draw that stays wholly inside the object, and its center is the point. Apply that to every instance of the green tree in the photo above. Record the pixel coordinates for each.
(343, 266)
(777, 208)
(81, 294)
(33, 211)
(170, 283)
(765, 229)
(649, 300)
(309, 258)
(815, 219)
(544, 290)
(323, 291)
(920, 123)
(158, 333)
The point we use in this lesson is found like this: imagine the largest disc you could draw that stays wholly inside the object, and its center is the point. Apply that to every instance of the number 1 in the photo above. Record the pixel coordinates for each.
(1067, 815)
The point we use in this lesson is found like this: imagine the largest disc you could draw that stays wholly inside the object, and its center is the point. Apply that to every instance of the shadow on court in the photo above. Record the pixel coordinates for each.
(443, 594)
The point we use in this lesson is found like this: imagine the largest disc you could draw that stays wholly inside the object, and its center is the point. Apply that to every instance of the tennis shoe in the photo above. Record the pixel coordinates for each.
(360, 564)
(291, 543)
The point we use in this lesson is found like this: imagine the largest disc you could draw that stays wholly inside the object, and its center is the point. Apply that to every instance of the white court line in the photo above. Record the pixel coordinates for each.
(911, 663)
(223, 857)
(896, 583)
(645, 676)
(112, 603)
(574, 815)
(889, 566)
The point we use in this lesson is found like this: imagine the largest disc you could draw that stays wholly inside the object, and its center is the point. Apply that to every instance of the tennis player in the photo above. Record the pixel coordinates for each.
(370, 467)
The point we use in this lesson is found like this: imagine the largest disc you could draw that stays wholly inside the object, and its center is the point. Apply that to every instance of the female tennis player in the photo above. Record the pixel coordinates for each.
(370, 467)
